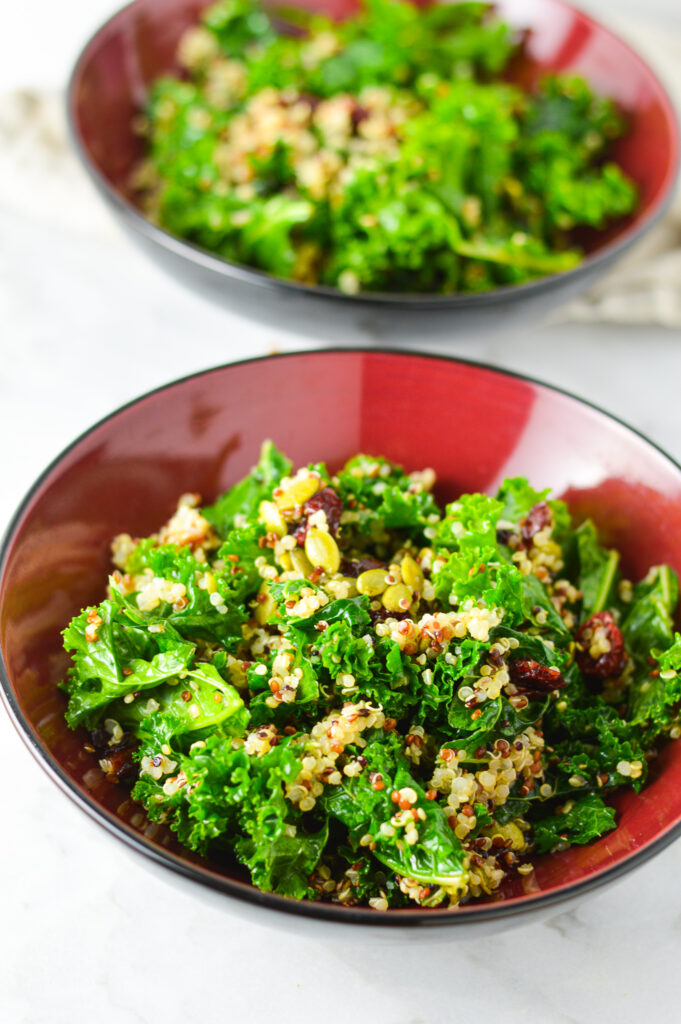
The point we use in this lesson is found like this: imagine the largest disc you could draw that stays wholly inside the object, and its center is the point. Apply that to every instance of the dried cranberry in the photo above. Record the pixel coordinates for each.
(610, 662)
(121, 766)
(496, 657)
(356, 566)
(536, 519)
(308, 98)
(326, 501)
(534, 680)
(99, 738)
(381, 614)
(304, 97)
(358, 114)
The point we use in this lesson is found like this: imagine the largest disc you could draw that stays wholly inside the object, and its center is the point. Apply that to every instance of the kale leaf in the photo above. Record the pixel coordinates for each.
(244, 498)
(598, 571)
(588, 819)
(123, 659)
(648, 625)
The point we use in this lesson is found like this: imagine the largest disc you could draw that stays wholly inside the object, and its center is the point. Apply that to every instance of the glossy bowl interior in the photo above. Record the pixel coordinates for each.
(473, 424)
(109, 86)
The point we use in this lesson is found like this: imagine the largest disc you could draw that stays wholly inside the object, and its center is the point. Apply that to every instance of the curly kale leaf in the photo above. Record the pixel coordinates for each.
(588, 819)
(238, 24)
(267, 239)
(436, 858)
(590, 740)
(470, 522)
(199, 618)
(123, 659)
(406, 510)
(381, 672)
(391, 43)
(478, 568)
(535, 599)
(436, 689)
(379, 494)
(276, 846)
(469, 574)
(598, 571)
(364, 478)
(240, 580)
(517, 497)
(536, 648)
(461, 719)
(236, 801)
(565, 130)
(244, 498)
(351, 610)
(201, 700)
(649, 623)
(391, 680)
(512, 808)
(371, 879)
(340, 651)
(655, 696)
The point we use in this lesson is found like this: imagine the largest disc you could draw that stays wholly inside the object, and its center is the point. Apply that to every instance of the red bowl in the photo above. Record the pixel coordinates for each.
(472, 423)
(109, 85)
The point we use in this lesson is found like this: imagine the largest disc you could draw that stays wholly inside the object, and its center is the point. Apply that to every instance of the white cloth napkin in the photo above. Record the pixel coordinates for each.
(41, 178)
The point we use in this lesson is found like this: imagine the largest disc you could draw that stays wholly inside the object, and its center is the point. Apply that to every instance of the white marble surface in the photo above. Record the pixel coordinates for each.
(86, 931)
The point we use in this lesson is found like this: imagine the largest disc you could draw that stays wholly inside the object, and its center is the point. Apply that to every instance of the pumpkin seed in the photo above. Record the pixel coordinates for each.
(285, 560)
(412, 574)
(264, 608)
(298, 493)
(372, 582)
(397, 598)
(508, 832)
(322, 550)
(268, 513)
(300, 561)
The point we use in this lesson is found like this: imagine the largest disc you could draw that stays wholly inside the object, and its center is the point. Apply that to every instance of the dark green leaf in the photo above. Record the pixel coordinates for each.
(588, 819)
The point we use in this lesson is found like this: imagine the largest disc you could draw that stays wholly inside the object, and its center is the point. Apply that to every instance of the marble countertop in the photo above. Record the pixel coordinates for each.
(88, 323)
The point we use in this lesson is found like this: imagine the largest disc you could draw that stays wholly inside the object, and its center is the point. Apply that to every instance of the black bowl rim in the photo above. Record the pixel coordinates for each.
(411, 301)
(245, 892)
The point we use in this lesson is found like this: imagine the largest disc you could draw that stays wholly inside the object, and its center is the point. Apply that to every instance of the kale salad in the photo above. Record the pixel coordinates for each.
(364, 698)
(388, 152)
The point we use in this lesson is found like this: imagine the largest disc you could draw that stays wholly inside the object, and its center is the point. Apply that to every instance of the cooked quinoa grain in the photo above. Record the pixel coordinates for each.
(365, 699)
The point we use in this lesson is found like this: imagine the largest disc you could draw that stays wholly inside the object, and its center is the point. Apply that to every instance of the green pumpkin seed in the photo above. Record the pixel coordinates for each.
(285, 560)
(412, 574)
(352, 585)
(397, 598)
(298, 493)
(268, 513)
(300, 562)
(322, 550)
(509, 832)
(372, 582)
(264, 608)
